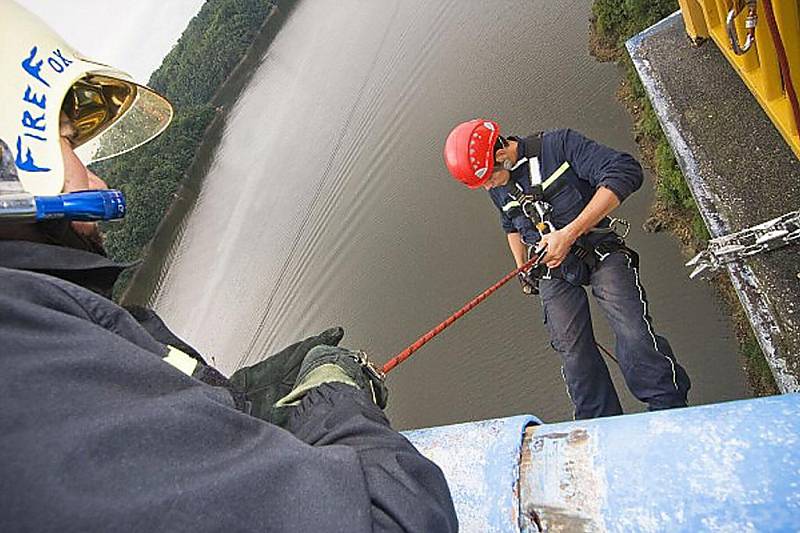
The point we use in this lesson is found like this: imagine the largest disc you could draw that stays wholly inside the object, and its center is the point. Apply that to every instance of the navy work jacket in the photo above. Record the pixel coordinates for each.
(99, 433)
(591, 165)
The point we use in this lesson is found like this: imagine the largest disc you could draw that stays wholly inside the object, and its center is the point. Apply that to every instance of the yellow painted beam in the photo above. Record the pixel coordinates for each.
(694, 20)
(758, 67)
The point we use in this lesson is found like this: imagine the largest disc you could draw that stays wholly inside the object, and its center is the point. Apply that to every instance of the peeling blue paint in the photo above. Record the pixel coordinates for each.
(481, 463)
(732, 466)
(727, 467)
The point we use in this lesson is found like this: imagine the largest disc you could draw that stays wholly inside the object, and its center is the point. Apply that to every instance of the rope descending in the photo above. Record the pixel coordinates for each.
(405, 354)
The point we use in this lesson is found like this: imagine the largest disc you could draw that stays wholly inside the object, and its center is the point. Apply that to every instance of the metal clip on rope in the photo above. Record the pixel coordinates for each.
(369, 366)
(613, 223)
(750, 25)
(620, 222)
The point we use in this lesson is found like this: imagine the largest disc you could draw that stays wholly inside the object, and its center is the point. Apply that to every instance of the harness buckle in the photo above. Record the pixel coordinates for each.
(580, 252)
(613, 221)
(526, 203)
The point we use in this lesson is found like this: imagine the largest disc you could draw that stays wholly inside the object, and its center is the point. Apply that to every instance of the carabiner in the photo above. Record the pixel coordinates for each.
(750, 25)
(621, 221)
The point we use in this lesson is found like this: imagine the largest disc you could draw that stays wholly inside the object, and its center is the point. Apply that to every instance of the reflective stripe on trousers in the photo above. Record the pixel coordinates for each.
(646, 360)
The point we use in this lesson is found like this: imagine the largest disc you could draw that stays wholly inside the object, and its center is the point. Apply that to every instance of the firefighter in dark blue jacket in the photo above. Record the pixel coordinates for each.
(554, 191)
(110, 422)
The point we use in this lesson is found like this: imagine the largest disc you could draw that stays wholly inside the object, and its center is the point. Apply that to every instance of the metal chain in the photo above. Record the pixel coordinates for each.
(764, 237)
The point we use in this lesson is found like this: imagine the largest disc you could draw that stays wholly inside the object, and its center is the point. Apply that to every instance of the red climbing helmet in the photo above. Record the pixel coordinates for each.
(469, 151)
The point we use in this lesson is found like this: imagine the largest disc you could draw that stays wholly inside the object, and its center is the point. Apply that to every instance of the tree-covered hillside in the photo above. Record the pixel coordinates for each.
(213, 43)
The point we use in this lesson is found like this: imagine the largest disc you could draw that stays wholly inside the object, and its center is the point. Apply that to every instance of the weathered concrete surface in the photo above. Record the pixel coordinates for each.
(739, 169)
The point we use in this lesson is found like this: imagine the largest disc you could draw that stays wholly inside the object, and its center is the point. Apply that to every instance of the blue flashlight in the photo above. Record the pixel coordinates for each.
(108, 204)
(87, 206)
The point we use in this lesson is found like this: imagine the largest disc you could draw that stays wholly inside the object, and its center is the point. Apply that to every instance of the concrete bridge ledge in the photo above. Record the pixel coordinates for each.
(739, 169)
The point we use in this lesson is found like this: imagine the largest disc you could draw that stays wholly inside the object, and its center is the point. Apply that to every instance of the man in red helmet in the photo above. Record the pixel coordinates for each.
(554, 191)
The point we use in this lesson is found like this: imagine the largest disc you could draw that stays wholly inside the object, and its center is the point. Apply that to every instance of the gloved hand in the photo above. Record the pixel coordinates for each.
(528, 283)
(271, 379)
(326, 364)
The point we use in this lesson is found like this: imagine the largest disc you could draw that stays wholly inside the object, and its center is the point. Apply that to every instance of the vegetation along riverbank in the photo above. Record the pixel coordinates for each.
(674, 210)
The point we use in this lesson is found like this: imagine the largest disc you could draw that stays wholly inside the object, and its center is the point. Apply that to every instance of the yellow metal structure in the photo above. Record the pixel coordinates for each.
(759, 66)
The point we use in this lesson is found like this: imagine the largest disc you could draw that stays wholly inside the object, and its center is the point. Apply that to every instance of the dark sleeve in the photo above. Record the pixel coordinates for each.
(100, 434)
(602, 166)
(407, 491)
(156, 327)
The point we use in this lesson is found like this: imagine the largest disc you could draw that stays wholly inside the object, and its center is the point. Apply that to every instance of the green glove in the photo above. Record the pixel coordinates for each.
(265, 382)
(326, 364)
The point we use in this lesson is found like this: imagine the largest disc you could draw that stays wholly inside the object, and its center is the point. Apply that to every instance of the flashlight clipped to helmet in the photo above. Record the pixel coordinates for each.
(45, 81)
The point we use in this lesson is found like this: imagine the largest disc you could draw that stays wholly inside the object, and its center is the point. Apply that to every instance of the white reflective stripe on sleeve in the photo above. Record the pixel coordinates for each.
(510, 205)
(180, 360)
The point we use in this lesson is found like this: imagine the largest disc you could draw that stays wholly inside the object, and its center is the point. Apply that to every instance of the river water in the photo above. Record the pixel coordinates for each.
(324, 200)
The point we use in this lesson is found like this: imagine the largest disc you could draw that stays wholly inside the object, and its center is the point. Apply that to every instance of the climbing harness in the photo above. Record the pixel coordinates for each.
(764, 237)
(750, 26)
(405, 354)
(534, 207)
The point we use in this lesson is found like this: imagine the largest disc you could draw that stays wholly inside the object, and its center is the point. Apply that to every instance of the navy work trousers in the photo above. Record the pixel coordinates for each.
(650, 369)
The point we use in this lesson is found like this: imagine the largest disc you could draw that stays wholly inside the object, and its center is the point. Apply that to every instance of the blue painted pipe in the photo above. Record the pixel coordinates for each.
(82, 206)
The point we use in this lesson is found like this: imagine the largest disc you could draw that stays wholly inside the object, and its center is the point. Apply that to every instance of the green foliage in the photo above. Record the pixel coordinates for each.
(672, 188)
(149, 177)
(209, 49)
(648, 124)
(618, 20)
(213, 43)
(757, 365)
(699, 229)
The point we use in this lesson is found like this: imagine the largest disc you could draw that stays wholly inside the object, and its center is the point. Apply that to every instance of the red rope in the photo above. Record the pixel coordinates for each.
(783, 62)
(405, 354)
